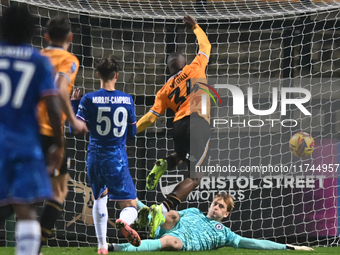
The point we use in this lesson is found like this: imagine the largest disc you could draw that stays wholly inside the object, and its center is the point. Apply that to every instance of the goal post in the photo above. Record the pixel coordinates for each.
(262, 51)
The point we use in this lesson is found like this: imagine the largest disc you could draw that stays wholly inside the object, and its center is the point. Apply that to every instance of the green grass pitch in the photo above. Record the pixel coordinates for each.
(222, 251)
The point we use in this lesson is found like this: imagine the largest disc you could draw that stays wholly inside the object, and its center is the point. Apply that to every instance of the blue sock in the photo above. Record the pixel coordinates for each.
(140, 205)
(146, 245)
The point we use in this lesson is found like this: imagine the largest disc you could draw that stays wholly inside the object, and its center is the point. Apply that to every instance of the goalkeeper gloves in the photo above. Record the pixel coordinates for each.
(298, 248)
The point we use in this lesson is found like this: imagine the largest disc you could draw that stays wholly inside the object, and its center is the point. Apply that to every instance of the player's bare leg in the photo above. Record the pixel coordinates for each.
(126, 218)
(60, 188)
(183, 189)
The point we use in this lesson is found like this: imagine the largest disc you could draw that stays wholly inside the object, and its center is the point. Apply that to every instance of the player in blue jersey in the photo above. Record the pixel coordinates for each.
(191, 230)
(110, 116)
(26, 78)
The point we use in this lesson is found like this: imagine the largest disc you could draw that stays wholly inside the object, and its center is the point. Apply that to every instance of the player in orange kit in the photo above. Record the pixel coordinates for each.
(183, 93)
(59, 37)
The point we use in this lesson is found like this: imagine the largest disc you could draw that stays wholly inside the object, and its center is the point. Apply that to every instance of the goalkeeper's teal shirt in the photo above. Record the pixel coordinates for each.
(198, 232)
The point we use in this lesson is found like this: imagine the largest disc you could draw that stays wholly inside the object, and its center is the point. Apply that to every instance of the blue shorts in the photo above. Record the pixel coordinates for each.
(24, 179)
(108, 168)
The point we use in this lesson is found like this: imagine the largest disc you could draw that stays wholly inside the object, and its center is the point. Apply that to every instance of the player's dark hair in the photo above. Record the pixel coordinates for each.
(17, 25)
(107, 68)
(227, 199)
(58, 29)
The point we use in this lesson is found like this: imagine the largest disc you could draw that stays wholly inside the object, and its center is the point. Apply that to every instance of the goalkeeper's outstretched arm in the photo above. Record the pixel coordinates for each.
(249, 243)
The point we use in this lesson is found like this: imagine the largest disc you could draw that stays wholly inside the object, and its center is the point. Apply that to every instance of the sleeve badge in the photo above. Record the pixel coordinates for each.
(219, 226)
(73, 67)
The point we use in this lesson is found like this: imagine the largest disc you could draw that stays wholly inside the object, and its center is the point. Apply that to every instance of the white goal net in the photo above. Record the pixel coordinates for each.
(269, 46)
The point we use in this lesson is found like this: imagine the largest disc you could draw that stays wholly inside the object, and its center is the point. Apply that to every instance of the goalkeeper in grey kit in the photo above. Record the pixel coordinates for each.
(191, 230)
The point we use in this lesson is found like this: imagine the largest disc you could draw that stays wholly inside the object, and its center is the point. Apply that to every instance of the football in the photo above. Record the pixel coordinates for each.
(301, 144)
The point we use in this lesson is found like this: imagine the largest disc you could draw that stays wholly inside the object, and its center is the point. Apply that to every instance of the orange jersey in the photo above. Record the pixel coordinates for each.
(64, 63)
(184, 92)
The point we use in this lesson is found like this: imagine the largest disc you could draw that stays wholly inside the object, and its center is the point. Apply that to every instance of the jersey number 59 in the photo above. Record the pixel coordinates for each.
(117, 124)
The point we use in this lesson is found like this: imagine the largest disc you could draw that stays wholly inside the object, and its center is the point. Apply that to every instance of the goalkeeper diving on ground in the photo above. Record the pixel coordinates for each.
(191, 230)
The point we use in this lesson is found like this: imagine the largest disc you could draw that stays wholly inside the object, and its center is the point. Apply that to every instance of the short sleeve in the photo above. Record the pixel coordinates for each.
(201, 60)
(160, 104)
(69, 68)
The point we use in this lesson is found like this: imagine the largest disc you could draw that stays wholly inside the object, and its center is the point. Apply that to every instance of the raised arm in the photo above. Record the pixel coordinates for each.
(75, 100)
(77, 125)
(203, 41)
(53, 111)
(55, 154)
